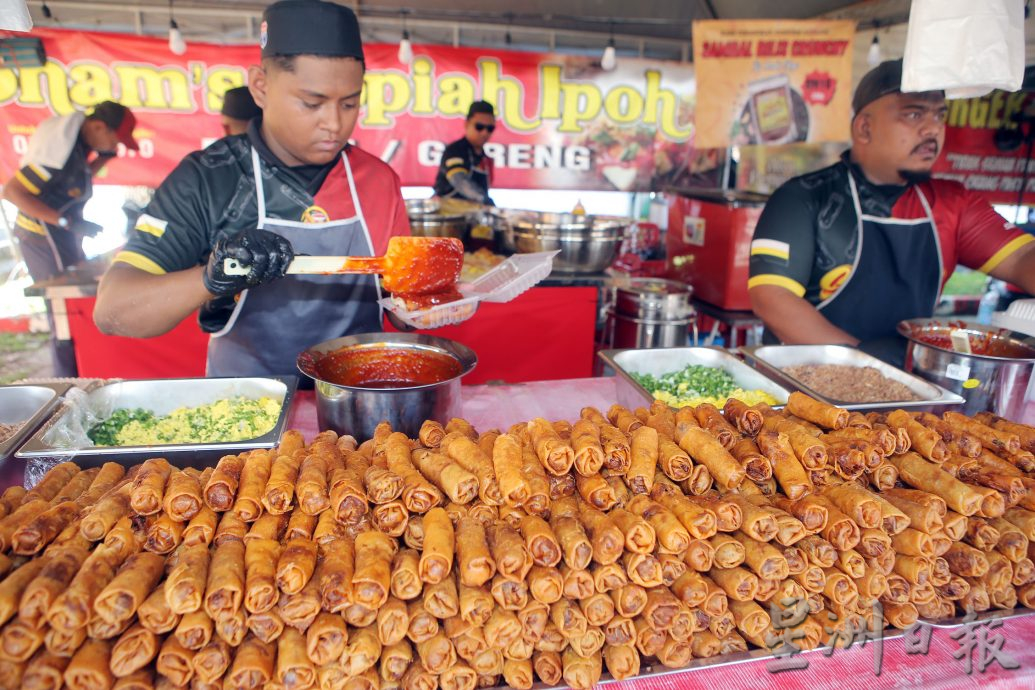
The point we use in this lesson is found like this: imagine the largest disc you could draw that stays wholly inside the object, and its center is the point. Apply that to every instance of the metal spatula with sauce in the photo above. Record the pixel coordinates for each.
(411, 266)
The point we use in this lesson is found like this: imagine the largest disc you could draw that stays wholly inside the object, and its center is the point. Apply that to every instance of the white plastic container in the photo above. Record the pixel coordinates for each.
(502, 283)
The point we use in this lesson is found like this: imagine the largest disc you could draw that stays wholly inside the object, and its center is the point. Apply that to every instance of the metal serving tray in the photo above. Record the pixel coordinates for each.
(29, 405)
(664, 360)
(66, 437)
(771, 360)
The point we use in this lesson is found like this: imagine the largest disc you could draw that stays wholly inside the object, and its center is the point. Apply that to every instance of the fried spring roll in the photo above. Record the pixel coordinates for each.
(819, 413)
(507, 465)
(89, 668)
(476, 605)
(313, 486)
(260, 573)
(155, 614)
(33, 536)
(926, 476)
(585, 442)
(419, 495)
(185, 584)
(211, 661)
(857, 503)
(540, 541)
(296, 565)
(326, 639)
(53, 482)
(556, 455)
(362, 651)
(442, 599)
(455, 482)
(436, 559)
(787, 469)
(201, 529)
(255, 475)
(579, 672)
(606, 538)
(643, 460)
(221, 488)
(509, 551)
(466, 453)
(294, 668)
(371, 580)
(121, 598)
(267, 626)
(474, 562)
(45, 671)
(225, 590)
(279, 492)
(253, 664)
(35, 585)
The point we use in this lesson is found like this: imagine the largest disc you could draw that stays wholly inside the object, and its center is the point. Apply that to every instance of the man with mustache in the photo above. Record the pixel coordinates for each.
(841, 255)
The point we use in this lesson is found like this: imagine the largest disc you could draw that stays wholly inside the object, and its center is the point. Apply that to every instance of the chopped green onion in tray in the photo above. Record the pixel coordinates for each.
(696, 384)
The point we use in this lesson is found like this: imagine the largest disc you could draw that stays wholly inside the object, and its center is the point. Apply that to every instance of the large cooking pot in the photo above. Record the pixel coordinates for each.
(649, 313)
(427, 219)
(402, 378)
(588, 244)
(998, 375)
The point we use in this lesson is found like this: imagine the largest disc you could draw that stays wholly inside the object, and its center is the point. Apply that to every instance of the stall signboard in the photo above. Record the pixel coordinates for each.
(971, 155)
(564, 123)
(772, 82)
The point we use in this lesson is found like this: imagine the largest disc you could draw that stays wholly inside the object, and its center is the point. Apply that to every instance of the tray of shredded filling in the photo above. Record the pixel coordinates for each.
(847, 377)
(190, 422)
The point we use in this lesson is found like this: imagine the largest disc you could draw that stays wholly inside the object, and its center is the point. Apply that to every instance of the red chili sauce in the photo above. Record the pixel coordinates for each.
(988, 344)
(385, 367)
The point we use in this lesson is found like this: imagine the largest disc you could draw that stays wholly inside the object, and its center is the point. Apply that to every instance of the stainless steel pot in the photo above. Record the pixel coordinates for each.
(588, 244)
(650, 312)
(427, 220)
(998, 384)
(357, 410)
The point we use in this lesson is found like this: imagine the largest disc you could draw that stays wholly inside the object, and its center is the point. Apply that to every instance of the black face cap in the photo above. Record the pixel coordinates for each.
(239, 104)
(884, 79)
(310, 27)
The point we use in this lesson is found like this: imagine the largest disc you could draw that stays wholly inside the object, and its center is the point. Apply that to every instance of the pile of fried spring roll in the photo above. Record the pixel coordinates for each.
(551, 552)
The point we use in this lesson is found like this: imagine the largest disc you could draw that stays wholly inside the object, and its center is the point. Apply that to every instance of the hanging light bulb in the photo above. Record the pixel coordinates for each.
(608, 61)
(405, 49)
(873, 56)
(177, 46)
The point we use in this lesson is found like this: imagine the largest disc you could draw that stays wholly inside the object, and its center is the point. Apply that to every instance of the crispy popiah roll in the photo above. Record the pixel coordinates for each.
(395, 660)
(279, 493)
(840, 530)
(371, 580)
(672, 536)
(436, 559)
(926, 476)
(762, 558)
(643, 461)
(267, 626)
(232, 629)
(296, 565)
(53, 482)
(548, 666)
(405, 577)
(64, 644)
(35, 585)
(211, 661)
(699, 556)
(221, 489)
(419, 495)
(585, 442)
(474, 562)
(313, 486)
(201, 529)
(89, 667)
(185, 584)
(747, 419)
(509, 594)
(24, 513)
(576, 549)
(606, 538)
(540, 541)
(507, 465)
(326, 639)
(44, 671)
(431, 433)
(253, 664)
(623, 419)
(76, 485)
(539, 487)
(757, 467)
(738, 583)
(164, 534)
(19, 640)
(673, 461)
(195, 630)
(509, 551)
(728, 552)
(361, 651)
(441, 599)
(579, 672)
(230, 528)
(294, 668)
(225, 589)
(706, 450)
(712, 421)
(121, 598)
(254, 477)
(13, 495)
(260, 569)
(381, 484)
(595, 491)
(33, 535)
(73, 607)
(560, 487)
(857, 503)
(700, 521)
(580, 583)
(615, 445)
(155, 614)
(476, 605)
(643, 569)
(556, 455)
(787, 469)
(465, 452)
(819, 413)
(639, 534)
(436, 653)
(455, 482)
(552, 639)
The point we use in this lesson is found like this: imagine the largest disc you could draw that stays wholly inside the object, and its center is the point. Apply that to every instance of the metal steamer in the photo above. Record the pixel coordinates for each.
(649, 313)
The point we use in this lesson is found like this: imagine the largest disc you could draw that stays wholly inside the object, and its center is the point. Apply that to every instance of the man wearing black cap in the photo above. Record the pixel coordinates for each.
(238, 110)
(465, 171)
(291, 184)
(841, 255)
(51, 188)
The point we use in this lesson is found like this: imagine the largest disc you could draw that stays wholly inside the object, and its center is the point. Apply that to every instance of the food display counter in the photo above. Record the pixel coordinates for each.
(604, 529)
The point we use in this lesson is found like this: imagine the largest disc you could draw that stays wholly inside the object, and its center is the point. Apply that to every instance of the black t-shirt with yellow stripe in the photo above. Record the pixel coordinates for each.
(66, 189)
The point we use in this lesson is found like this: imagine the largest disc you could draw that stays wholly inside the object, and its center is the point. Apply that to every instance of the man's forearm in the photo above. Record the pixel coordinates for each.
(137, 304)
(793, 320)
(1019, 268)
(466, 187)
(28, 203)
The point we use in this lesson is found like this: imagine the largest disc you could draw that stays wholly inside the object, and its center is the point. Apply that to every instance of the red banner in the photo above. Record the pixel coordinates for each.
(564, 123)
(971, 155)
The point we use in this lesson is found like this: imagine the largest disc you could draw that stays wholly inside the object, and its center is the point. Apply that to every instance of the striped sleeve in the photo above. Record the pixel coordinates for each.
(33, 177)
(783, 245)
(985, 238)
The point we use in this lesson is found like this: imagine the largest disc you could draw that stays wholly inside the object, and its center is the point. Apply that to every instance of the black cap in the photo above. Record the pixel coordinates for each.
(310, 27)
(239, 104)
(884, 79)
(119, 118)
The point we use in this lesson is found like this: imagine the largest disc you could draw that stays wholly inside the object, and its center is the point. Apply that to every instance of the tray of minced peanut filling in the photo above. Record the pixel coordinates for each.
(847, 377)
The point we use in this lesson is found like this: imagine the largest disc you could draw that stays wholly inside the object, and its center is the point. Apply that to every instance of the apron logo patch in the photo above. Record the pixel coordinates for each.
(832, 281)
(315, 214)
(75, 192)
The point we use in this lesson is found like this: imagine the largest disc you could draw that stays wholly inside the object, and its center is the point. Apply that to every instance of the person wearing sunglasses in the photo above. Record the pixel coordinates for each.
(465, 171)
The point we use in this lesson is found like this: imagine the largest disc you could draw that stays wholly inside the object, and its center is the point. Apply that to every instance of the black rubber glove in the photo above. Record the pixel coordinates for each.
(266, 254)
(85, 228)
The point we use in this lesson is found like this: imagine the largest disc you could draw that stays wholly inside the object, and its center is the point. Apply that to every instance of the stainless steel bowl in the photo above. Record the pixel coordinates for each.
(427, 220)
(988, 382)
(588, 244)
(357, 410)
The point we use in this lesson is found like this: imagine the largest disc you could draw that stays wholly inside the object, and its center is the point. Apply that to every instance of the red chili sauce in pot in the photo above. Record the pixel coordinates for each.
(988, 344)
(385, 367)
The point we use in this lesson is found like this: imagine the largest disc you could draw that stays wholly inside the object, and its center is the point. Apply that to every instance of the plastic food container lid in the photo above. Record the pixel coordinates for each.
(1019, 316)
(502, 283)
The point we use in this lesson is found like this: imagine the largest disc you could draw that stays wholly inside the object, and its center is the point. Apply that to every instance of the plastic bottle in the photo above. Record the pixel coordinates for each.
(988, 304)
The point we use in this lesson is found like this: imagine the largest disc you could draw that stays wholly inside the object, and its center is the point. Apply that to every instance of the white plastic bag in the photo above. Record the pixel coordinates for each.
(14, 15)
(965, 47)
